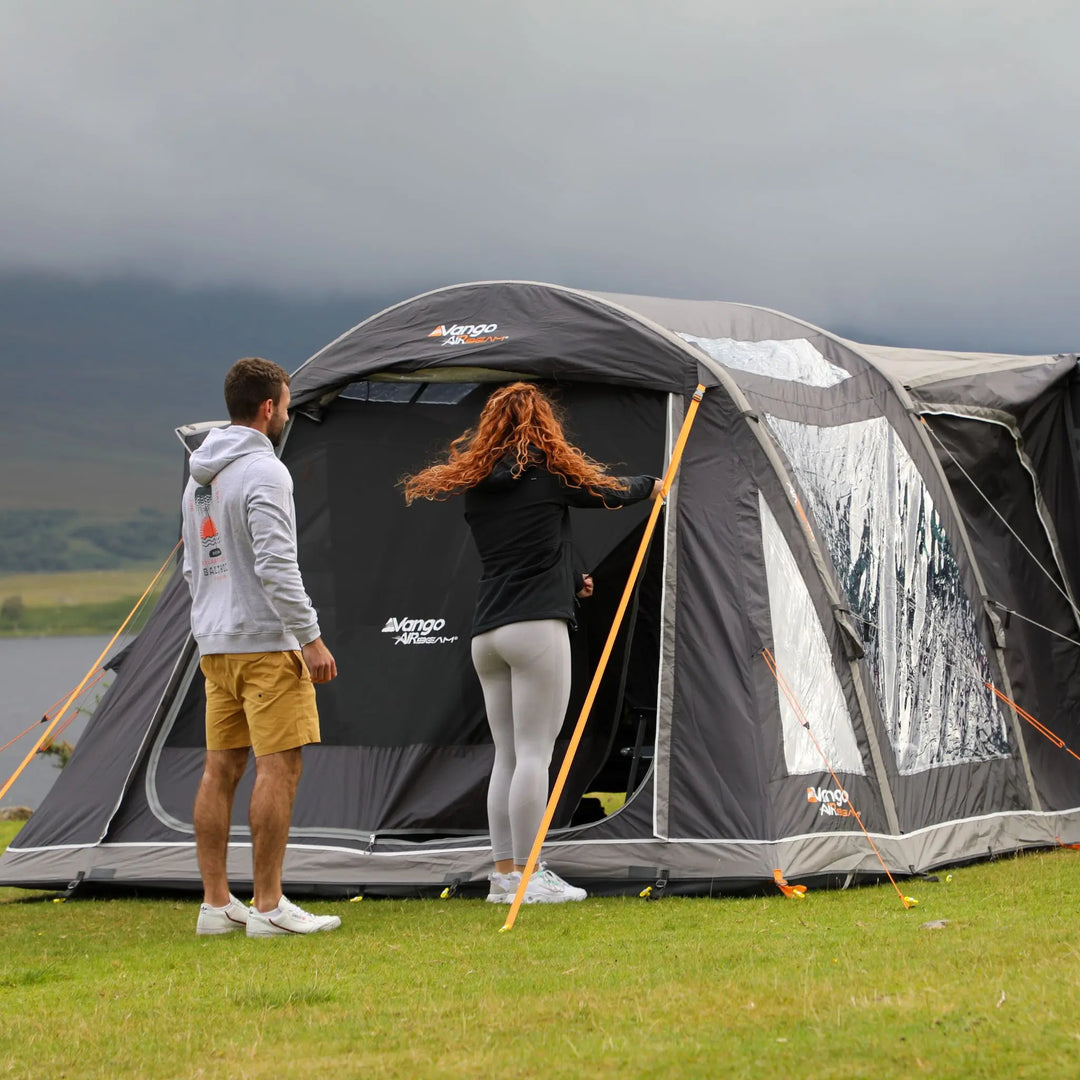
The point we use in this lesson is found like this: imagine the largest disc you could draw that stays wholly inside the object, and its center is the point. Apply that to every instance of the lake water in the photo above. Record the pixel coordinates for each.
(34, 674)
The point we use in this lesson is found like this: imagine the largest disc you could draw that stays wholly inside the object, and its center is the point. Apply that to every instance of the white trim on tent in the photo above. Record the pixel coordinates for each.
(645, 840)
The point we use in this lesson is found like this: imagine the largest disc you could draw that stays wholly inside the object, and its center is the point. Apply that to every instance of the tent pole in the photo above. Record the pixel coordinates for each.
(586, 708)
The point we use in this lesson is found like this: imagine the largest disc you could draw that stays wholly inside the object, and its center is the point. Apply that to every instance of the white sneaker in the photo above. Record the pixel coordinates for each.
(287, 918)
(546, 887)
(504, 887)
(222, 920)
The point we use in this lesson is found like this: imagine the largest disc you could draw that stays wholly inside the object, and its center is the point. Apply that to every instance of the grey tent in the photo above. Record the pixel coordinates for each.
(897, 528)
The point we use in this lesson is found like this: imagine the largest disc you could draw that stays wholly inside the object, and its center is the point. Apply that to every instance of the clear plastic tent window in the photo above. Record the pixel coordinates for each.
(793, 361)
(897, 569)
(804, 659)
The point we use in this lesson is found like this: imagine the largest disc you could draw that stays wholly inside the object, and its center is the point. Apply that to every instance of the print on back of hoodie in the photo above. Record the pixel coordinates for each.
(213, 561)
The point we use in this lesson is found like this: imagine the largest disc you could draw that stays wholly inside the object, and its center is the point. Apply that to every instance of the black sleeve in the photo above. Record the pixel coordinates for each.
(637, 488)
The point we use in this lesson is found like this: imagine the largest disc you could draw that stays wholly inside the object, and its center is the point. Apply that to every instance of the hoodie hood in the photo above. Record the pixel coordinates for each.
(222, 447)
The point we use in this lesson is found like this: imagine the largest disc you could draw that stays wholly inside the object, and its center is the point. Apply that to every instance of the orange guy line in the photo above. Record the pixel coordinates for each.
(1040, 727)
(793, 702)
(78, 689)
(586, 708)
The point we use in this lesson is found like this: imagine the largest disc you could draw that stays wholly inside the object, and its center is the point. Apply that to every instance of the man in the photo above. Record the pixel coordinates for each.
(260, 648)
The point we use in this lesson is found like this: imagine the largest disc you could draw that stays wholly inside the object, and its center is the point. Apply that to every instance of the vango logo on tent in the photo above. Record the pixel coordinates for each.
(418, 631)
(831, 802)
(468, 334)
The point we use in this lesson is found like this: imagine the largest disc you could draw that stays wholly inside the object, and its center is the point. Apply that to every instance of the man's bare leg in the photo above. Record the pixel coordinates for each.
(276, 777)
(213, 813)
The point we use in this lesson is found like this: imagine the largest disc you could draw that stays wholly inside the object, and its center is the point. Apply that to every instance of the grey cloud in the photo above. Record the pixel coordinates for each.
(862, 165)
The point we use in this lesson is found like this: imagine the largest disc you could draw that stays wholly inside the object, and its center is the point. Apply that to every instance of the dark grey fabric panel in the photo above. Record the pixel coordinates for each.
(1051, 432)
(368, 559)
(1010, 391)
(346, 794)
(545, 331)
(369, 789)
(81, 802)
(1044, 669)
(955, 792)
(717, 760)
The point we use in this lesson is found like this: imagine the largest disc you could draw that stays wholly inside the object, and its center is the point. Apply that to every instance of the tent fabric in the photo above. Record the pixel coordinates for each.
(897, 527)
(545, 331)
(925, 367)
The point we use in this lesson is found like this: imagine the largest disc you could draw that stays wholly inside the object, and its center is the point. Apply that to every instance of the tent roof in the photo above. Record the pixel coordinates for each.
(920, 367)
(568, 333)
(908, 366)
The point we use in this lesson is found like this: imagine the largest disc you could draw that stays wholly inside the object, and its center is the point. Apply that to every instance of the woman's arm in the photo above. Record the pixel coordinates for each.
(637, 488)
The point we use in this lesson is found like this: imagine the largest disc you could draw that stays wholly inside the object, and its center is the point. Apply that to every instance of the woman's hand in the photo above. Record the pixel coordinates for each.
(586, 589)
(657, 485)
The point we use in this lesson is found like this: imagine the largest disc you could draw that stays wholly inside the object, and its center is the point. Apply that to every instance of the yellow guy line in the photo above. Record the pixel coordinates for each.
(571, 750)
(97, 664)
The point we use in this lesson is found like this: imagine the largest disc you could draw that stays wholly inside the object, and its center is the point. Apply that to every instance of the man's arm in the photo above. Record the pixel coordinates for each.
(273, 541)
(187, 556)
(321, 665)
(185, 566)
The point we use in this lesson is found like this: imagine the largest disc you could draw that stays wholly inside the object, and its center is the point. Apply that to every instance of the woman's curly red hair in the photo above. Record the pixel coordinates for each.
(519, 422)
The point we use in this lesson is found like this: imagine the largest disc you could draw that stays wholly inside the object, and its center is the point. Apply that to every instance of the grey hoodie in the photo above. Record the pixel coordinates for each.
(240, 548)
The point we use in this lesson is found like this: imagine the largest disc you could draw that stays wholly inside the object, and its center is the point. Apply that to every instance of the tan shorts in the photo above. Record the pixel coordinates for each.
(262, 700)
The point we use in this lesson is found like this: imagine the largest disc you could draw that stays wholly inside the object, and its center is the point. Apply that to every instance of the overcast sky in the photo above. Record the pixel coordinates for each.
(908, 169)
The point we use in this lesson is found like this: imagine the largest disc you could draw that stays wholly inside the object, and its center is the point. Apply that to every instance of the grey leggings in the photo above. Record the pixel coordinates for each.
(524, 670)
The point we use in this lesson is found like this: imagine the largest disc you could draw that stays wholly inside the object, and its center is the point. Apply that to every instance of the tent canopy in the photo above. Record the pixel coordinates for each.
(897, 527)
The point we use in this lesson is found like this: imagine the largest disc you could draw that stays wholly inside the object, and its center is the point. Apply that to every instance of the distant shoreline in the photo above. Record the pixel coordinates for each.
(70, 603)
(68, 620)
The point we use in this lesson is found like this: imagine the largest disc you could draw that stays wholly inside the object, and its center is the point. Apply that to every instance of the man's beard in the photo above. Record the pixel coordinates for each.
(275, 432)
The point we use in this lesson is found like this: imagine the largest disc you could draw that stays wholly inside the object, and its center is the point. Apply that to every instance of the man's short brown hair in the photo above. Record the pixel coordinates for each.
(250, 382)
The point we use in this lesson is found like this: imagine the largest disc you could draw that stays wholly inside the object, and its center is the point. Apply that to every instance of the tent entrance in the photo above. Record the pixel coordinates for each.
(615, 755)
(406, 751)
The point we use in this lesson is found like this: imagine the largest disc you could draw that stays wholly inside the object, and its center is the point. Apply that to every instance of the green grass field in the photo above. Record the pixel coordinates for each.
(77, 586)
(75, 602)
(841, 984)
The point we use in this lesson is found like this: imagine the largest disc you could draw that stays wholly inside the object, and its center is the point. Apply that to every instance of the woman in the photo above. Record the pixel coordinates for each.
(519, 476)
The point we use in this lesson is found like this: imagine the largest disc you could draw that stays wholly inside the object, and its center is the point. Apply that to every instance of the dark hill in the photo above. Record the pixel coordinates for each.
(96, 376)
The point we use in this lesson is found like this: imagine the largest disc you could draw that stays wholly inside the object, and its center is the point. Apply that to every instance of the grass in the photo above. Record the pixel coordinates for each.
(842, 984)
(77, 586)
(74, 602)
(70, 619)
(8, 829)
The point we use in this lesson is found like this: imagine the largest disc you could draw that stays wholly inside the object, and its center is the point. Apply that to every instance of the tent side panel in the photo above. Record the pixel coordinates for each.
(78, 808)
(1043, 667)
(1051, 431)
(718, 757)
(624, 865)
